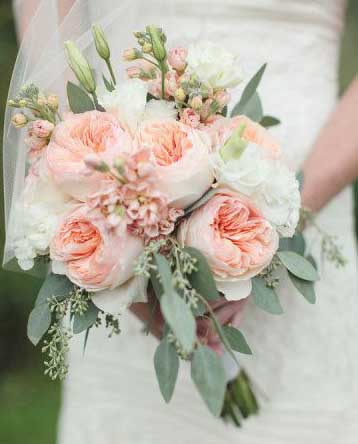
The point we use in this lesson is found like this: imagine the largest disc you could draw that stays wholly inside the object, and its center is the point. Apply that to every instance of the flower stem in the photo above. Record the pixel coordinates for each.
(111, 72)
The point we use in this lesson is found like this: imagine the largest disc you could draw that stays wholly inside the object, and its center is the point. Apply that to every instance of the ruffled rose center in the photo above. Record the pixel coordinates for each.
(81, 238)
(243, 228)
(169, 143)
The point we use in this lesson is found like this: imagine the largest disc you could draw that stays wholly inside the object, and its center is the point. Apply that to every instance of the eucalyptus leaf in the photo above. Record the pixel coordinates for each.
(202, 280)
(82, 322)
(166, 363)
(157, 286)
(55, 285)
(179, 317)
(209, 377)
(237, 340)
(265, 297)
(38, 323)
(164, 272)
(175, 310)
(306, 288)
(298, 265)
(78, 100)
(251, 87)
(295, 243)
(269, 121)
(252, 108)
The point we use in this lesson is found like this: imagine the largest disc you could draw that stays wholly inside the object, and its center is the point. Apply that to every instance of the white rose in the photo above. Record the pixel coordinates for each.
(160, 110)
(214, 64)
(35, 218)
(127, 101)
(279, 199)
(245, 174)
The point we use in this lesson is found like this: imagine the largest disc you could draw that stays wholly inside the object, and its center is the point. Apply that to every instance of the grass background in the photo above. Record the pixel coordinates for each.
(29, 403)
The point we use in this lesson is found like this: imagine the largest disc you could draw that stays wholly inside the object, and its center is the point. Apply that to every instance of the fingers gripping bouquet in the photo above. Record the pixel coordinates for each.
(149, 192)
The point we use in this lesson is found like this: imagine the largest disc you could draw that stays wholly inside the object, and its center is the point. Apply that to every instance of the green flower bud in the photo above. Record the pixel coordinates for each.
(80, 67)
(234, 146)
(101, 42)
(156, 37)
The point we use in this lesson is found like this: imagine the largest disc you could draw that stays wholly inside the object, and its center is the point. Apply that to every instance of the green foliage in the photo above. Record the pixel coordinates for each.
(209, 377)
(298, 265)
(295, 243)
(166, 363)
(269, 121)
(306, 288)
(202, 278)
(236, 340)
(85, 320)
(38, 323)
(250, 103)
(79, 101)
(265, 297)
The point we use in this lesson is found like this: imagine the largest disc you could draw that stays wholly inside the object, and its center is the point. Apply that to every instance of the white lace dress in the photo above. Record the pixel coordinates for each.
(305, 360)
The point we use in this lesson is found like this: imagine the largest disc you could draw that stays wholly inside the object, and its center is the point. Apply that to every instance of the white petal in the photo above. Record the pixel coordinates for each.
(235, 290)
(59, 267)
(118, 300)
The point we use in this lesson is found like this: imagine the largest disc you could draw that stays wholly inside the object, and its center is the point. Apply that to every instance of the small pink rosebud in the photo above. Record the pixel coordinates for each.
(223, 98)
(42, 129)
(190, 117)
(177, 58)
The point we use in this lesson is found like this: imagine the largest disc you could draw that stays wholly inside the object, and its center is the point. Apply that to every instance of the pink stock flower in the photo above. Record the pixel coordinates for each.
(36, 147)
(171, 84)
(41, 128)
(79, 135)
(236, 240)
(181, 157)
(136, 204)
(177, 58)
(227, 313)
(94, 257)
(223, 98)
(190, 117)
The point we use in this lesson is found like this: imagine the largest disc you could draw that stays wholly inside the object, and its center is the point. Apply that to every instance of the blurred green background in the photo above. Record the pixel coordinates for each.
(29, 403)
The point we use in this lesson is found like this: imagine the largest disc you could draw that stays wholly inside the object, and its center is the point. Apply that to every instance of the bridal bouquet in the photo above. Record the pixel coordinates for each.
(146, 190)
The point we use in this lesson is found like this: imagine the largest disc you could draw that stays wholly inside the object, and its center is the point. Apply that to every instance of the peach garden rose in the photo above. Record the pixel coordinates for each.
(79, 135)
(235, 238)
(181, 155)
(90, 254)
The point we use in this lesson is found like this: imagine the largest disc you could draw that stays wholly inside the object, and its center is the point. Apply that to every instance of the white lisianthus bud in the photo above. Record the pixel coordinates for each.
(156, 37)
(147, 48)
(101, 42)
(19, 120)
(80, 67)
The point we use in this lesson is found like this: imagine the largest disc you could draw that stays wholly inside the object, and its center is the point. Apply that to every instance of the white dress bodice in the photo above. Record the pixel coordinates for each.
(305, 361)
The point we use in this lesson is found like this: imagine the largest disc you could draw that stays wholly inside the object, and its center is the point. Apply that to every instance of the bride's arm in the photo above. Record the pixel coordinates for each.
(333, 161)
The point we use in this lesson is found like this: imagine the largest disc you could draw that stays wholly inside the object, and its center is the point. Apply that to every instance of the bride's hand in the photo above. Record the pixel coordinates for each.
(226, 312)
